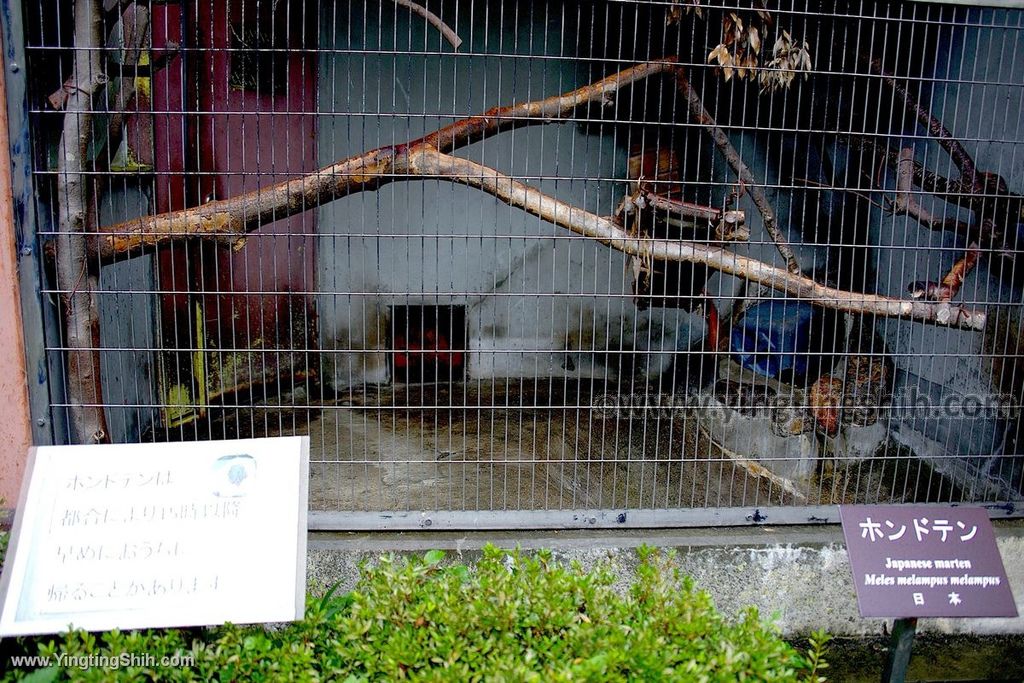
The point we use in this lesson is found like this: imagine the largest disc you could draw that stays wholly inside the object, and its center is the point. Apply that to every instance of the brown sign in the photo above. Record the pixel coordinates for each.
(925, 561)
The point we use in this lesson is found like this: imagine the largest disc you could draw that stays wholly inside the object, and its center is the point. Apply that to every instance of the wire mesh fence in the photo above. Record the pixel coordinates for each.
(663, 262)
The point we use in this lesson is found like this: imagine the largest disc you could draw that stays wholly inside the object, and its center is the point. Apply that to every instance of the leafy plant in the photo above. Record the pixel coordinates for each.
(508, 617)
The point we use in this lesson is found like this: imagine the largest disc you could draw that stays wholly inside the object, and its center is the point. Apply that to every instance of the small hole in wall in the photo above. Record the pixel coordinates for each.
(427, 343)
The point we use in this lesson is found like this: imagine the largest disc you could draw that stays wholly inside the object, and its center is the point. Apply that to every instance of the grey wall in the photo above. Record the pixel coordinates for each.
(943, 364)
(127, 307)
(527, 285)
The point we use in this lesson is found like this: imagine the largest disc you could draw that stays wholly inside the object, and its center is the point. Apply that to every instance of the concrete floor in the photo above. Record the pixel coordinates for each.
(515, 445)
(549, 445)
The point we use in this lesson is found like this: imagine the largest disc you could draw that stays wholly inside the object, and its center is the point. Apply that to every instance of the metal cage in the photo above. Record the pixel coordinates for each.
(535, 264)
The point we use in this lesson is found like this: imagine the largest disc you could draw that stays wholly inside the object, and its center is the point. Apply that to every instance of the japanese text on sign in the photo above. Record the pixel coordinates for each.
(925, 561)
(132, 536)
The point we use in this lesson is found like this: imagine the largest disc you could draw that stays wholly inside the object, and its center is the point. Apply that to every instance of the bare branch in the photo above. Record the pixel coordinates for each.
(964, 161)
(948, 190)
(134, 44)
(952, 282)
(905, 202)
(85, 394)
(729, 224)
(426, 161)
(451, 36)
(235, 216)
(678, 207)
(701, 115)
(230, 219)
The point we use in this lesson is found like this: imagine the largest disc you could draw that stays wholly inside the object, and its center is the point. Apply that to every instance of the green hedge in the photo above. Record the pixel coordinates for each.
(509, 617)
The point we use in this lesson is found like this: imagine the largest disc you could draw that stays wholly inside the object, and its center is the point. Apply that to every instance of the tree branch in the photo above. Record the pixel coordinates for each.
(951, 282)
(948, 190)
(964, 161)
(233, 217)
(230, 219)
(729, 224)
(451, 36)
(85, 393)
(134, 44)
(905, 202)
(701, 116)
(426, 161)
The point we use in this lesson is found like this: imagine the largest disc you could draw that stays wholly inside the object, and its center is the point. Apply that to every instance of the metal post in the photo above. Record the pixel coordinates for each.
(899, 650)
(25, 224)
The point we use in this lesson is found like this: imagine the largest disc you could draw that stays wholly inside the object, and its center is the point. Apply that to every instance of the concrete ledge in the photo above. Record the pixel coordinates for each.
(799, 575)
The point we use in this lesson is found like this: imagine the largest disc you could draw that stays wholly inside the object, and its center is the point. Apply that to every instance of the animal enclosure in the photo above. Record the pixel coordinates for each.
(535, 264)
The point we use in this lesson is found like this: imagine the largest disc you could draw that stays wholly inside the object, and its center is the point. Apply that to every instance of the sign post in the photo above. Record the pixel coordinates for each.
(900, 645)
(158, 535)
(912, 561)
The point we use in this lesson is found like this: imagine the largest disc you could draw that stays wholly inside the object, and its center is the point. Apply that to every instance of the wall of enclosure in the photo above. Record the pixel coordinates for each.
(535, 264)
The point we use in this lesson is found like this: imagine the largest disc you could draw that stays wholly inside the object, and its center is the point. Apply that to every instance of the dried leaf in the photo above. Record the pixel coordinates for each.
(676, 13)
(754, 38)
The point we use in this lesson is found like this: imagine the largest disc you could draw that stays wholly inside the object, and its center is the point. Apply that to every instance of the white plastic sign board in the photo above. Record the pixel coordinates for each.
(158, 535)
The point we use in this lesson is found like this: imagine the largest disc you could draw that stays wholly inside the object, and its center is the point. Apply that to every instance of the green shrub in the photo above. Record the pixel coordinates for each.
(511, 617)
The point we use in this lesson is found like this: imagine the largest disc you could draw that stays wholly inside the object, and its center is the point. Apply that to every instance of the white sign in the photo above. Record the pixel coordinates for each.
(158, 535)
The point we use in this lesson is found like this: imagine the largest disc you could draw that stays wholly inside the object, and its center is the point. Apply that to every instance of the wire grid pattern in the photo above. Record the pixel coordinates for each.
(448, 352)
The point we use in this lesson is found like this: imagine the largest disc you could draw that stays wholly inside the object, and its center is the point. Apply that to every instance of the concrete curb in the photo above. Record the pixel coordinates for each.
(800, 576)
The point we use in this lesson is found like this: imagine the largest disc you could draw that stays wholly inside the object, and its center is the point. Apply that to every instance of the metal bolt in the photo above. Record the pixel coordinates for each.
(14, 67)
(26, 251)
(41, 422)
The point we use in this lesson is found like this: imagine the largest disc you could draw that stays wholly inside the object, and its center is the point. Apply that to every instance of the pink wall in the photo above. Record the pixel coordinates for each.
(15, 434)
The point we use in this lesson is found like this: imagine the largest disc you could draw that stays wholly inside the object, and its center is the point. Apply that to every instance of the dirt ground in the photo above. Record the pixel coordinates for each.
(515, 445)
(545, 444)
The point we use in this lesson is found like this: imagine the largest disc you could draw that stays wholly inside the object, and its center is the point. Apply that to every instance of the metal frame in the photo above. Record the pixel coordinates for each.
(442, 520)
(33, 310)
(45, 346)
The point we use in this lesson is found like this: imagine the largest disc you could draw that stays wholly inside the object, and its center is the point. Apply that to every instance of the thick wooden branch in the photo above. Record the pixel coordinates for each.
(230, 219)
(426, 161)
(677, 206)
(134, 44)
(499, 119)
(233, 217)
(729, 224)
(81, 317)
(701, 116)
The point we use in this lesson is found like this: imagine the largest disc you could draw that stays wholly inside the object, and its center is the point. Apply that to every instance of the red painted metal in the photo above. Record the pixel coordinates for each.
(226, 140)
(253, 139)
